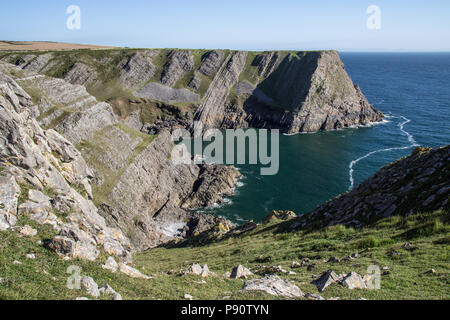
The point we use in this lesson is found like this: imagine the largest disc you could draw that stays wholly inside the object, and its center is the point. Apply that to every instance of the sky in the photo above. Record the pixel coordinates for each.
(412, 25)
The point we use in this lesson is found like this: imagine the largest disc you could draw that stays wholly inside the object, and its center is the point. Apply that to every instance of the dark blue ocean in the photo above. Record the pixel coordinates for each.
(411, 89)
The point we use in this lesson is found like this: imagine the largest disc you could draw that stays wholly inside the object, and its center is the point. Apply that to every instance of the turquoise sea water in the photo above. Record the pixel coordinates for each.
(411, 89)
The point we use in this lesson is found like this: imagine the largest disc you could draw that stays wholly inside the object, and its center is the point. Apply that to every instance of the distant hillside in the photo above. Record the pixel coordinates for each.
(44, 46)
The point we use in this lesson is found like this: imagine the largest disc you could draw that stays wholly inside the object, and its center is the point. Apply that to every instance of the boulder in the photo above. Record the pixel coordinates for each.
(132, 272)
(273, 285)
(353, 281)
(197, 269)
(327, 278)
(110, 264)
(27, 231)
(240, 272)
(90, 285)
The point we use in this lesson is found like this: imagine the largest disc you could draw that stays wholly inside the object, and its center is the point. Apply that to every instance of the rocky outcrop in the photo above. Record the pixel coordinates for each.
(417, 183)
(149, 197)
(306, 93)
(291, 91)
(138, 69)
(179, 62)
(43, 160)
(157, 91)
(273, 285)
(138, 188)
(211, 110)
(211, 61)
(81, 74)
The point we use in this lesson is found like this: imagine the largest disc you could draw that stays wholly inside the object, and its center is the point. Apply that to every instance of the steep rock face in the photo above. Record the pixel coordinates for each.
(67, 108)
(80, 73)
(42, 160)
(138, 69)
(417, 183)
(178, 63)
(211, 110)
(291, 91)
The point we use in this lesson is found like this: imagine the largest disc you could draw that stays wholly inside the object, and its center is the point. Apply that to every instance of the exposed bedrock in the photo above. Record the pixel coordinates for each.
(129, 175)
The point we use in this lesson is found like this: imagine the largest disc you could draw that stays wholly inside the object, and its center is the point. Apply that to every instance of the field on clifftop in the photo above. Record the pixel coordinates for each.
(417, 271)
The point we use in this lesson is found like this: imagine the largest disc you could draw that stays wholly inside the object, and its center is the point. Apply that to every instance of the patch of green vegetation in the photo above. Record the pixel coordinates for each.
(250, 72)
(23, 197)
(45, 277)
(159, 61)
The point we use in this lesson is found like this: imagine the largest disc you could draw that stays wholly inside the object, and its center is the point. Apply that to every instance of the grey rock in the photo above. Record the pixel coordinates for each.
(227, 76)
(178, 63)
(138, 69)
(382, 186)
(132, 272)
(9, 192)
(273, 285)
(38, 63)
(197, 269)
(211, 61)
(39, 197)
(164, 93)
(353, 281)
(109, 291)
(90, 286)
(327, 278)
(195, 82)
(81, 74)
(27, 231)
(240, 272)
(110, 264)
(313, 296)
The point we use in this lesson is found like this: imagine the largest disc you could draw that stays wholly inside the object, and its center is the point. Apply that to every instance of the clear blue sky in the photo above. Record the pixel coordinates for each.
(412, 25)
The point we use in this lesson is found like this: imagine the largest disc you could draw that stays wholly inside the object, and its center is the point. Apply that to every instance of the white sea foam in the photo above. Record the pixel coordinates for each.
(401, 126)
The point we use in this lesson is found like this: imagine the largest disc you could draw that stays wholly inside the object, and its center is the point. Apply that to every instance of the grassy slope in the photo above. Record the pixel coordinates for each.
(45, 277)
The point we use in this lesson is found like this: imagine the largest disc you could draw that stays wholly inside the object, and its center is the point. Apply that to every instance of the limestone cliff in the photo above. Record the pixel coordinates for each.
(291, 91)
(45, 179)
(130, 175)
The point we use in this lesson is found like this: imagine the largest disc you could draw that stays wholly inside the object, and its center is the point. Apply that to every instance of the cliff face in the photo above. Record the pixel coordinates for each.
(417, 183)
(292, 91)
(306, 93)
(128, 175)
(45, 179)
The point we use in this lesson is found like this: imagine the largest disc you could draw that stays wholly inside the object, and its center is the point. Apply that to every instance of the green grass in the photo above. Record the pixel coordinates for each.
(91, 150)
(45, 277)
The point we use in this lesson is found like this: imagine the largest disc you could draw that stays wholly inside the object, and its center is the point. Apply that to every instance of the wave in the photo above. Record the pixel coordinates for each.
(401, 126)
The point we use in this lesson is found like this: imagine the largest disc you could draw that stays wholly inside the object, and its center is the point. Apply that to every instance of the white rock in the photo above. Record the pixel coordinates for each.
(91, 286)
(110, 264)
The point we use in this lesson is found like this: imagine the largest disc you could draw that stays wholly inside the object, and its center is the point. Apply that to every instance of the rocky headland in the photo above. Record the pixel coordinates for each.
(291, 91)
